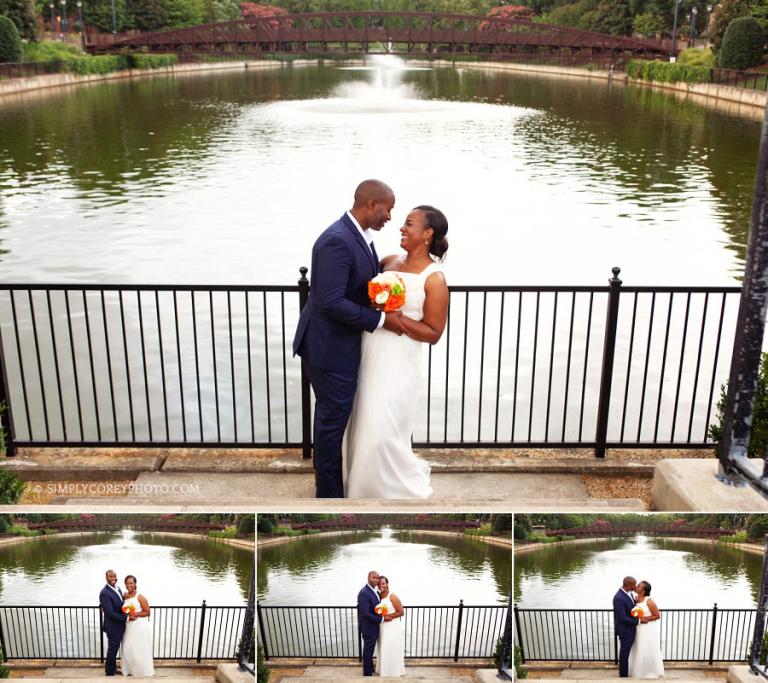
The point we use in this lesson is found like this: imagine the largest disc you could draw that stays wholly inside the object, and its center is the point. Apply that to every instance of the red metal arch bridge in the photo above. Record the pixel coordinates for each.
(402, 33)
(673, 530)
(127, 521)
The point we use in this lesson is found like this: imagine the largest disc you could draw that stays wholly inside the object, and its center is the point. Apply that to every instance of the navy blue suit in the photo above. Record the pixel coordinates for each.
(114, 625)
(328, 340)
(368, 623)
(625, 626)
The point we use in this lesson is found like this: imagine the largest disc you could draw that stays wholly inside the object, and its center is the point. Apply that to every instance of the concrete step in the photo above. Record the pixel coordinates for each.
(433, 674)
(168, 674)
(484, 490)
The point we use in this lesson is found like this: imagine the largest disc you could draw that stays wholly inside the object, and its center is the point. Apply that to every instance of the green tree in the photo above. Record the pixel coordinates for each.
(148, 15)
(760, 13)
(648, 24)
(22, 14)
(502, 524)
(98, 13)
(10, 51)
(246, 525)
(743, 44)
(612, 17)
(221, 10)
(179, 13)
(758, 528)
(723, 14)
(266, 523)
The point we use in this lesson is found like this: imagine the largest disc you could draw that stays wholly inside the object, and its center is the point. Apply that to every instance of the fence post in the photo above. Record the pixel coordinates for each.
(306, 407)
(262, 632)
(359, 645)
(458, 631)
(519, 632)
(5, 656)
(6, 423)
(712, 638)
(101, 635)
(200, 639)
(609, 349)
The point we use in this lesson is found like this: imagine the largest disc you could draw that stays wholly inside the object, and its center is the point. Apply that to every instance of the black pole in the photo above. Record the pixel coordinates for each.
(6, 423)
(2, 643)
(712, 637)
(101, 635)
(519, 632)
(262, 632)
(248, 627)
(505, 662)
(750, 328)
(757, 638)
(609, 350)
(674, 31)
(200, 639)
(306, 404)
(458, 631)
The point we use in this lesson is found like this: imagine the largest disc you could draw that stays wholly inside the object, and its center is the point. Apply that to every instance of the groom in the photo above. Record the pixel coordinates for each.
(331, 324)
(111, 601)
(368, 621)
(624, 623)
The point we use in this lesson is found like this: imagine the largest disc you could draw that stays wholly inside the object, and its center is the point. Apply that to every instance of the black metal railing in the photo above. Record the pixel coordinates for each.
(593, 367)
(751, 80)
(587, 635)
(446, 632)
(200, 632)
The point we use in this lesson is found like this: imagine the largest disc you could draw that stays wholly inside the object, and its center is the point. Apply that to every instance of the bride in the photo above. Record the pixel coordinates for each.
(377, 455)
(645, 656)
(390, 655)
(136, 646)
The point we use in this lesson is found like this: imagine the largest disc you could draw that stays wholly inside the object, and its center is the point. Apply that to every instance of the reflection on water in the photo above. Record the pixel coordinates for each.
(169, 570)
(683, 574)
(187, 179)
(423, 569)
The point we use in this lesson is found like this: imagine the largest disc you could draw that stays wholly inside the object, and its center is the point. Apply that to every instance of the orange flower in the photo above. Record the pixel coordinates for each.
(638, 612)
(387, 290)
(129, 609)
(381, 609)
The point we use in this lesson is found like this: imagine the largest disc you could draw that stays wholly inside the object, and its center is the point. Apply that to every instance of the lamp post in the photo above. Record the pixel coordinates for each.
(80, 14)
(53, 25)
(64, 25)
(706, 27)
(673, 56)
(114, 18)
(694, 14)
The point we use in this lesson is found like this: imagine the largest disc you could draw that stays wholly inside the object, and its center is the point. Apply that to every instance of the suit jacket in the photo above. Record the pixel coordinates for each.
(337, 312)
(367, 620)
(623, 621)
(112, 607)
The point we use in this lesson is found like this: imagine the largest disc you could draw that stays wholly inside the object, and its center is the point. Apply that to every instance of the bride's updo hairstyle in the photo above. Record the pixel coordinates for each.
(439, 223)
(131, 576)
(646, 588)
(385, 578)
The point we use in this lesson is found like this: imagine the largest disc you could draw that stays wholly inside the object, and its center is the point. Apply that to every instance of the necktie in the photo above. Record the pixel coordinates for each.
(375, 257)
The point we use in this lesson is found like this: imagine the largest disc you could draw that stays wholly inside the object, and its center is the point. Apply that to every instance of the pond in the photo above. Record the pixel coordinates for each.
(227, 177)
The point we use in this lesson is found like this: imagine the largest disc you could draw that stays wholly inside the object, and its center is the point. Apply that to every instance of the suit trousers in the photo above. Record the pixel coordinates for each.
(626, 641)
(110, 660)
(369, 647)
(334, 395)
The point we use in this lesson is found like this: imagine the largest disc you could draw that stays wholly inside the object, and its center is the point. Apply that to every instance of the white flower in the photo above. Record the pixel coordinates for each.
(381, 297)
(387, 278)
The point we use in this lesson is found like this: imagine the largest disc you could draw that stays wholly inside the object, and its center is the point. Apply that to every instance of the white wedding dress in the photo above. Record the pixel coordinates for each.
(136, 646)
(645, 656)
(390, 647)
(378, 459)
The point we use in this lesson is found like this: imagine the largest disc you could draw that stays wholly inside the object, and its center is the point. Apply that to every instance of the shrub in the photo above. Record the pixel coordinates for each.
(229, 532)
(143, 61)
(264, 524)
(743, 44)
(738, 537)
(11, 488)
(498, 653)
(666, 72)
(502, 524)
(22, 531)
(520, 672)
(10, 41)
(101, 64)
(246, 526)
(758, 438)
(697, 56)
(759, 528)
(50, 51)
(262, 672)
(724, 13)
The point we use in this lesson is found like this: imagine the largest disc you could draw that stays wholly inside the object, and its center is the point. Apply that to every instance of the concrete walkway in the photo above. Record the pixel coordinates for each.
(429, 674)
(223, 673)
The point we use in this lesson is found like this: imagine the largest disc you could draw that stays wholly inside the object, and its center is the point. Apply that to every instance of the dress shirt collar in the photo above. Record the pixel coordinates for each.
(366, 234)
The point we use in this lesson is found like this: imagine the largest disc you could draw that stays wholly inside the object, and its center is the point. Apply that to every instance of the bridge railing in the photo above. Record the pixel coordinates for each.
(436, 632)
(62, 632)
(587, 635)
(175, 366)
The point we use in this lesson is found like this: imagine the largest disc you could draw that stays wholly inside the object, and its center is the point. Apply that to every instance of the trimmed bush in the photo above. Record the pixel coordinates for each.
(101, 64)
(667, 72)
(10, 41)
(697, 56)
(246, 526)
(743, 44)
(758, 529)
(142, 61)
(50, 51)
(11, 488)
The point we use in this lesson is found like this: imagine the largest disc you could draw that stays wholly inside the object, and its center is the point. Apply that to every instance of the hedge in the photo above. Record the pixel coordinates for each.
(10, 41)
(101, 64)
(144, 61)
(743, 44)
(667, 72)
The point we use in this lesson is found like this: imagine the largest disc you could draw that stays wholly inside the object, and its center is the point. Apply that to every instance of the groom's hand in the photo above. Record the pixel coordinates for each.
(393, 321)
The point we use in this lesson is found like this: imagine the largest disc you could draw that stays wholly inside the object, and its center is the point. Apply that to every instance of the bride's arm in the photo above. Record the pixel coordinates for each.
(399, 611)
(655, 613)
(144, 612)
(430, 328)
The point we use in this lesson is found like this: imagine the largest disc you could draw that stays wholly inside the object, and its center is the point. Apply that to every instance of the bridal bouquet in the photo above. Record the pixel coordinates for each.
(388, 290)
(638, 612)
(381, 609)
(129, 609)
